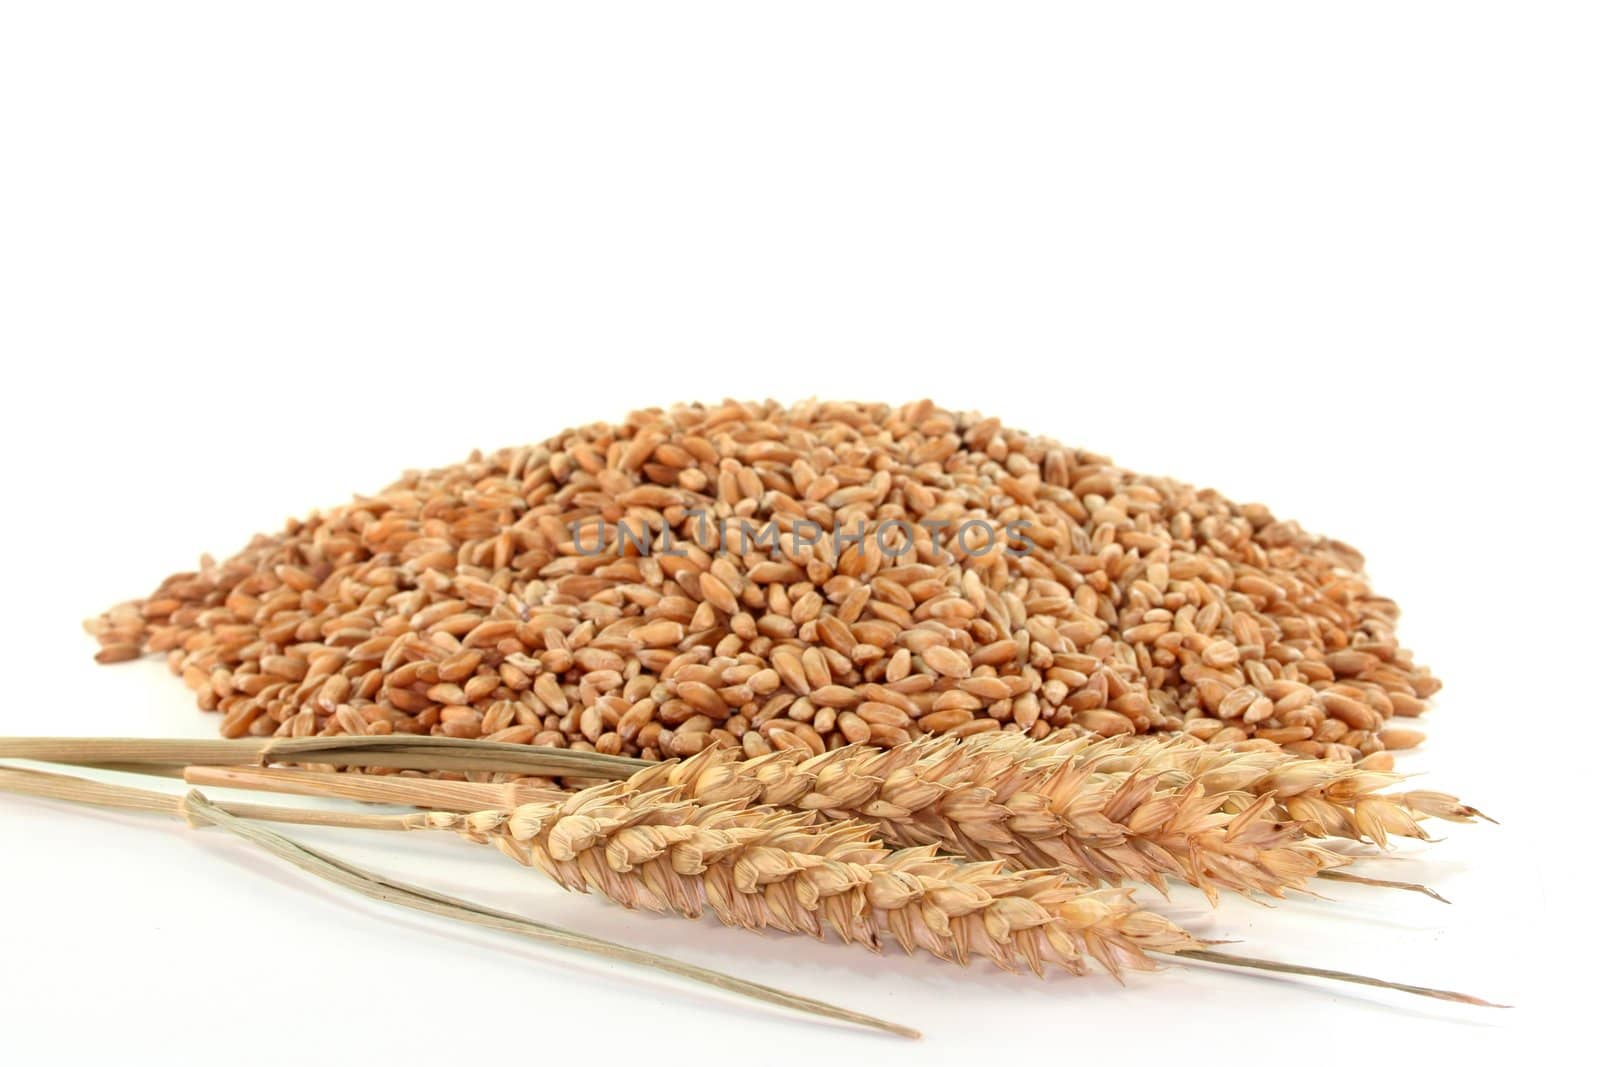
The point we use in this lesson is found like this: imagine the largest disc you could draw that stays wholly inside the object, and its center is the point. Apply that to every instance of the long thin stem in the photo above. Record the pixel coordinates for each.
(170, 757)
(1383, 883)
(106, 795)
(373, 788)
(1227, 959)
(196, 808)
(397, 751)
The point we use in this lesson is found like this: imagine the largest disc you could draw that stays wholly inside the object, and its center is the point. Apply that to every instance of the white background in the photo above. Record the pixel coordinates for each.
(255, 258)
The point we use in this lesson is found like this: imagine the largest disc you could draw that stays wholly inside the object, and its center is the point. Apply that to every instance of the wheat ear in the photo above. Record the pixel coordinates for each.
(987, 801)
(1324, 798)
(1331, 798)
(442, 795)
(760, 868)
(117, 796)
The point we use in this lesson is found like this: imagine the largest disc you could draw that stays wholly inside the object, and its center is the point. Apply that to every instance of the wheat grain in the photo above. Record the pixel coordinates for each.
(468, 601)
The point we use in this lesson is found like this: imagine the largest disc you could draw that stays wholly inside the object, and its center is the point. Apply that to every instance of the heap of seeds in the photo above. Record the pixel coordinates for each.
(787, 578)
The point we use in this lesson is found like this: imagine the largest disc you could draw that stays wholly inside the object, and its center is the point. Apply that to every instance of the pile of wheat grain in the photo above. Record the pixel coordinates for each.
(787, 578)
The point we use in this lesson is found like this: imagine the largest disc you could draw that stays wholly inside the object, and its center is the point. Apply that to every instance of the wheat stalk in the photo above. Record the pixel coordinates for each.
(792, 871)
(1124, 808)
(431, 793)
(239, 820)
(398, 752)
(1065, 823)
(28, 782)
(441, 795)
(759, 868)
(764, 869)
(484, 826)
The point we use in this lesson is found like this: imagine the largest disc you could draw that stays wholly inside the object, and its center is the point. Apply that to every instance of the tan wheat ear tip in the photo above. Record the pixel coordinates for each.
(1441, 806)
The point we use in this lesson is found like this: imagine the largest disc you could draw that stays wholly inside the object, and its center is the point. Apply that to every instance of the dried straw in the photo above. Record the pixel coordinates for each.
(389, 751)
